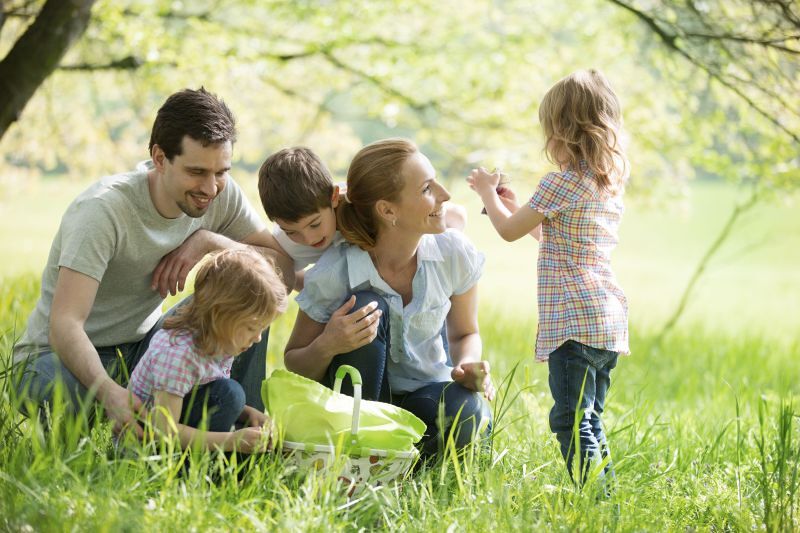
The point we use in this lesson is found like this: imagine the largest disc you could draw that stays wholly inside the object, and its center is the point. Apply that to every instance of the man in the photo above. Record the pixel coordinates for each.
(126, 242)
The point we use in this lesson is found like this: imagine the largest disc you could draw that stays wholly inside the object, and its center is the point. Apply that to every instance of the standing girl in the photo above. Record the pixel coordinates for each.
(583, 313)
(184, 377)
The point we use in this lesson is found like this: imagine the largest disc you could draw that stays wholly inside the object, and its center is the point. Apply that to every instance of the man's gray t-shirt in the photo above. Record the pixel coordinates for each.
(113, 233)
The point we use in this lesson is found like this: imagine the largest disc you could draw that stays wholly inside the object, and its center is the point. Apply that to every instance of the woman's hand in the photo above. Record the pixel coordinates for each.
(345, 332)
(475, 376)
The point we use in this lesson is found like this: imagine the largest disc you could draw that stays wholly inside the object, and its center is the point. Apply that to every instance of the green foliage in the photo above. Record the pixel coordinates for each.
(463, 79)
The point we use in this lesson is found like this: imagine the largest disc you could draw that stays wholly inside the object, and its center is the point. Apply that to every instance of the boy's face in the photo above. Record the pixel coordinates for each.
(317, 229)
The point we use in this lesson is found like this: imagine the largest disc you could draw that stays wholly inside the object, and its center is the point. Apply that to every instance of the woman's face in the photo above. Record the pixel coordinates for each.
(420, 207)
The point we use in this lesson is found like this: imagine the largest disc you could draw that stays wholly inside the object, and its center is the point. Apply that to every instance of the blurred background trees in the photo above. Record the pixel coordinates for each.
(709, 88)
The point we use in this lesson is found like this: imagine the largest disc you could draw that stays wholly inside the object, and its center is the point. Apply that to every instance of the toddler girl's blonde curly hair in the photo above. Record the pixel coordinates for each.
(582, 120)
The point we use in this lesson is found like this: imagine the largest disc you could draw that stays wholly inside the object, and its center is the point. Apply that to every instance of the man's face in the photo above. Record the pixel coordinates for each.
(191, 181)
(317, 229)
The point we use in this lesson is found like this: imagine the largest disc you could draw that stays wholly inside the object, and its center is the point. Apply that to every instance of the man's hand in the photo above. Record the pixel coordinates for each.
(170, 274)
(344, 333)
(475, 376)
(124, 408)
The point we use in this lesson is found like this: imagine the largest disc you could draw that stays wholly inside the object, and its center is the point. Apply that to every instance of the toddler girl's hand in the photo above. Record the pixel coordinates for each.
(474, 376)
(482, 182)
(254, 418)
(251, 440)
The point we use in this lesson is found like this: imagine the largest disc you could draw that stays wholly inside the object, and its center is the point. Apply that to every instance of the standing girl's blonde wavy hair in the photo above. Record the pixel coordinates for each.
(582, 121)
(231, 287)
(374, 174)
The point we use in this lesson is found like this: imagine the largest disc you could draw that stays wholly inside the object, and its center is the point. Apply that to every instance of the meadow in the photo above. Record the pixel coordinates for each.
(703, 421)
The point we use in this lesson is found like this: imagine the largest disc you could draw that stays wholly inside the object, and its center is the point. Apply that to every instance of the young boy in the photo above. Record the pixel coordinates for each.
(299, 196)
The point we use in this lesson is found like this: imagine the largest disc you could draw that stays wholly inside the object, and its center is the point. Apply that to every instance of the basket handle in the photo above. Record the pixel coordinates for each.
(355, 378)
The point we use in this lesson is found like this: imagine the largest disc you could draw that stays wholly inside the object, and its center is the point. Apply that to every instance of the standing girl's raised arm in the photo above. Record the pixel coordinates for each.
(509, 226)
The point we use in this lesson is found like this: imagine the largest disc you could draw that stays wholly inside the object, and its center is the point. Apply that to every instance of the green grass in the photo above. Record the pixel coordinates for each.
(703, 428)
(703, 424)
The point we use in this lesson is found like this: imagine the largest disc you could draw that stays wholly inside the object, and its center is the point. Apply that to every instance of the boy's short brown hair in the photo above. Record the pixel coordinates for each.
(294, 183)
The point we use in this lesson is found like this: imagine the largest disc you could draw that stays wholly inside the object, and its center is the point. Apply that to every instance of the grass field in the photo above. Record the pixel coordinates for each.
(703, 423)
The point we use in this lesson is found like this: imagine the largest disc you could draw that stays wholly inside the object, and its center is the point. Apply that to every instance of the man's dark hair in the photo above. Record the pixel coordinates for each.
(294, 183)
(196, 113)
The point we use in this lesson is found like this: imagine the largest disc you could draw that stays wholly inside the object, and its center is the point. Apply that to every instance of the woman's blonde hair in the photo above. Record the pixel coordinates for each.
(374, 174)
(582, 120)
(231, 287)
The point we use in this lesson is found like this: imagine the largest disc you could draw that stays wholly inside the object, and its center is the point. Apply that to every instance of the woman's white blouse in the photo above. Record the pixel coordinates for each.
(447, 264)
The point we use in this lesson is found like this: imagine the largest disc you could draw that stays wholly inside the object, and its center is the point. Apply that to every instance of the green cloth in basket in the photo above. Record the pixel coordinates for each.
(308, 412)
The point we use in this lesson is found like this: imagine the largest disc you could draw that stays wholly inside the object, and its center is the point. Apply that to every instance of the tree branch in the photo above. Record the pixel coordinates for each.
(766, 43)
(671, 41)
(37, 53)
(723, 235)
(126, 63)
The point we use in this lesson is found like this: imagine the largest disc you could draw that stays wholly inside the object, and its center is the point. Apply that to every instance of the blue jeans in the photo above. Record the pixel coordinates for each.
(222, 401)
(579, 379)
(456, 402)
(37, 377)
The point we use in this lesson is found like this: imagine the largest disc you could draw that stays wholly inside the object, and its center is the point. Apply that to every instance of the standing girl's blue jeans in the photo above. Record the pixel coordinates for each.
(455, 401)
(579, 379)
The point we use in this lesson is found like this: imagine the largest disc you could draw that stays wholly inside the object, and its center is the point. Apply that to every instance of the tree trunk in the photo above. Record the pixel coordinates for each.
(37, 53)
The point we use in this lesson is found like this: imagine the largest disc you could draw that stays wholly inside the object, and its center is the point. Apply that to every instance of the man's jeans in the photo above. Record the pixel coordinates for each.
(456, 401)
(579, 379)
(37, 377)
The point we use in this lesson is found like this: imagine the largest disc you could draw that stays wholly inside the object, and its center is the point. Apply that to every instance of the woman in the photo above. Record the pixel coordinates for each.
(400, 276)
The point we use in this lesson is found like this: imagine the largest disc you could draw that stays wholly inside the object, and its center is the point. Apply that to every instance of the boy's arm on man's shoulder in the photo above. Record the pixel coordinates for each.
(270, 247)
(170, 275)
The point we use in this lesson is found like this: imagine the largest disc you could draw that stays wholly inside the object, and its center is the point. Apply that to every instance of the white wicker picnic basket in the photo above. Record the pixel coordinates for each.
(358, 467)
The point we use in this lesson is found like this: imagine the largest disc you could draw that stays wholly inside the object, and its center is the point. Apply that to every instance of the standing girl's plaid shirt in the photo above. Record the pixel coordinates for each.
(579, 296)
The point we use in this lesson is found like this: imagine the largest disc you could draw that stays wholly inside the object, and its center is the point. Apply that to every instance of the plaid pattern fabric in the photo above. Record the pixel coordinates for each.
(578, 295)
(171, 364)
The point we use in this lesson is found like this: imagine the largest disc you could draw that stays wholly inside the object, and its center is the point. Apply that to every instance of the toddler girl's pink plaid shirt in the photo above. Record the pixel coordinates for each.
(579, 296)
(172, 364)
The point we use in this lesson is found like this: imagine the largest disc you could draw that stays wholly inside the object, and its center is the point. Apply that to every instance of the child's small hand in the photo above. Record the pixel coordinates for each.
(483, 182)
(252, 440)
(508, 198)
(254, 418)
(475, 376)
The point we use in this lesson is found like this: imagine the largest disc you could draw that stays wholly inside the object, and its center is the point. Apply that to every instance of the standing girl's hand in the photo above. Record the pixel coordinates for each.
(482, 182)
(508, 198)
(474, 376)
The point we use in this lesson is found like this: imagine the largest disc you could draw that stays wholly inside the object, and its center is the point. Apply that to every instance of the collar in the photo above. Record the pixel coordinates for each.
(360, 267)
